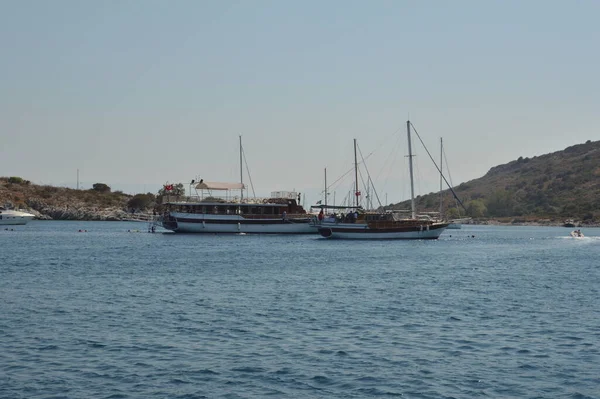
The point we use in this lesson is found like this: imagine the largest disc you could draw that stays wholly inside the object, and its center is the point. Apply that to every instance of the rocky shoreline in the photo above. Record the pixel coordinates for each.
(44, 211)
(534, 223)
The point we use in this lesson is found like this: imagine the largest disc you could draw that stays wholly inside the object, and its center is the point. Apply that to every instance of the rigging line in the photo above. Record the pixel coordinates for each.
(447, 167)
(365, 158)
(438, 169)
(450, 177)
(392, 152)
(393, 162)
(248, 170)
(340, 178)
(385, 139)
(417, 173)
(363, 183)
(369, 176)
(349, 170)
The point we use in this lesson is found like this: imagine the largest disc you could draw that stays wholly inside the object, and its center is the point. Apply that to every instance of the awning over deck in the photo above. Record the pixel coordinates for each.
(206, 185)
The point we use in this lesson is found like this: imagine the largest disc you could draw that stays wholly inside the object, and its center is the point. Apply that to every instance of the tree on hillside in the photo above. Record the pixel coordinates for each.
(101, 187)
(500, 204)
(452, 213)
(18, 180)
(476, 208)
(141, 201)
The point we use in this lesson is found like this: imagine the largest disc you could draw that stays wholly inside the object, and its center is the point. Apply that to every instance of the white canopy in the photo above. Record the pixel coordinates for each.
(206, 185)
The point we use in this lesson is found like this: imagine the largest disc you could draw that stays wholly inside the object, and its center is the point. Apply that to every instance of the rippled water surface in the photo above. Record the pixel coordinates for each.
(107, 313)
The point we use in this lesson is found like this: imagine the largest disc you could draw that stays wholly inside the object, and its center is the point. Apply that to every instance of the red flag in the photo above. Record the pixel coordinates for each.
(357, 193)
(169, 187)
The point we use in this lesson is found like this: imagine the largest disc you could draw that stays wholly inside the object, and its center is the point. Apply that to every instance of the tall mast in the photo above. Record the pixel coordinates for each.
(441, 174)
(241, 173)
(325, 187)
(410, 168)
(355, 175)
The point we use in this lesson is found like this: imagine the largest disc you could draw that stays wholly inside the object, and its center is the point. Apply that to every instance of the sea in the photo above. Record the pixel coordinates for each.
(108, 310)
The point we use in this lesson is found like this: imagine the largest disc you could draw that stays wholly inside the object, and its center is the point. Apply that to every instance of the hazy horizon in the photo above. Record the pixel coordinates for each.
(136, 94)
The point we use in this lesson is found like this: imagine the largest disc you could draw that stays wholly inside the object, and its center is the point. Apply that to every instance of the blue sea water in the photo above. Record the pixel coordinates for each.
(512, 312)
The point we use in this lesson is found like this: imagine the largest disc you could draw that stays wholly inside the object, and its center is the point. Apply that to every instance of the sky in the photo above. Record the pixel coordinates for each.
(138, 93)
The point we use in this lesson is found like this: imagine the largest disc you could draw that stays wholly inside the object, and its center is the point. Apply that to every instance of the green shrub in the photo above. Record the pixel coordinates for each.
(101, 187)
(16, 180)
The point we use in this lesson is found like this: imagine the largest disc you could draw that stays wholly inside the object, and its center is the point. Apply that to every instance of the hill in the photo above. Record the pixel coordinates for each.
(557, 186)
(49, 202)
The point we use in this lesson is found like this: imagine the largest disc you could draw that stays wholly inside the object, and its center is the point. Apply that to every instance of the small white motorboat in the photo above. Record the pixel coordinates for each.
(12, 217)
(577, 234)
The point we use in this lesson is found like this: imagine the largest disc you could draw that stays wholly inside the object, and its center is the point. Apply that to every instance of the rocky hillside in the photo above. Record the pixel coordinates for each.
(49, 202)
(557, 186)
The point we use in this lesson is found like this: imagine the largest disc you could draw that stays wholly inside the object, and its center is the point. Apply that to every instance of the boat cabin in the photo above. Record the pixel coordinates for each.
(221, 199)
(222, 208)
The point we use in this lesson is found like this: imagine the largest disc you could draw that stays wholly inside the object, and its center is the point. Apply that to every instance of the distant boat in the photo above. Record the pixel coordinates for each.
(577, 234)
(359, 224)
(456, 224)
(12, 217)
(569, 223)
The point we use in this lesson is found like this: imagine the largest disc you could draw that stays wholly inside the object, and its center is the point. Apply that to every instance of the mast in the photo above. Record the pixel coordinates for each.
(241, 173)
(325, 187)
(410, 168)
(356, 194)
(441, 174)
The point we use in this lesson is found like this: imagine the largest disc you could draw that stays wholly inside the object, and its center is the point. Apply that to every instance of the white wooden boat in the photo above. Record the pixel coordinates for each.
(276, 215)
(216, 209)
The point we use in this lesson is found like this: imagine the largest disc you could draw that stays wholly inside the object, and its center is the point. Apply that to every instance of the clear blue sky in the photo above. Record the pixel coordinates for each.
(136, 93)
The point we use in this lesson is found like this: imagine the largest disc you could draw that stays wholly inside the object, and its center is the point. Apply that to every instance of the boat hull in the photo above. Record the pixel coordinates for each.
(363, 232)
(15, 218)
(208, 224)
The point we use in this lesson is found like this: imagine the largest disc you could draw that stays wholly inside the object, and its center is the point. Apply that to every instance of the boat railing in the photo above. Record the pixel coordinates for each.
(197, 199)
(262, 216)
(140, 217)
